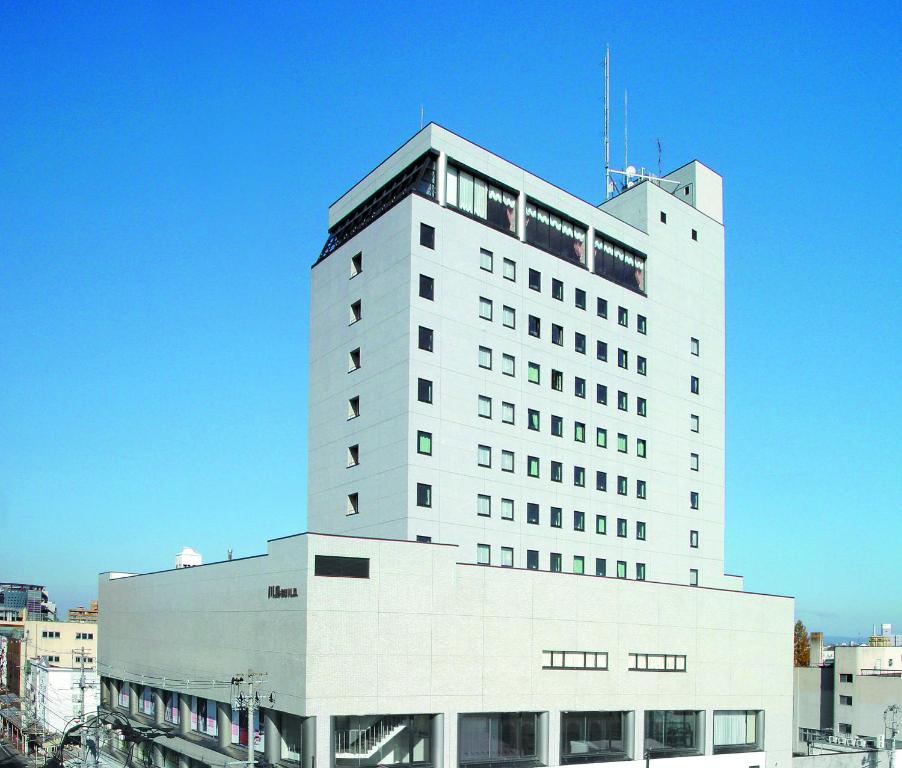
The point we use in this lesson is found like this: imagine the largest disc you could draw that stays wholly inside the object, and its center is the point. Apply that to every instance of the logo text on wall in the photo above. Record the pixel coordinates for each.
(276, 591)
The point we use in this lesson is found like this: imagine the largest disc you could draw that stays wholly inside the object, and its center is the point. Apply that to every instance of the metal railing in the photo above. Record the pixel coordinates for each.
(364, 741)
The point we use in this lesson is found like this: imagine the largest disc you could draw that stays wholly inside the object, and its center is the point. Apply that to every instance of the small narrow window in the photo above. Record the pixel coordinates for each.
(641, 447)
(579, 477)
(534, 326)
(533, 373)
(509, 270)
(424, 443)
(641, 406)
(579, 298)
(352, 504)
(623, 316)
(601, 481)
(622, 442)
(424, 495)
(483, 554)
(508, 365)
(356, 312)
(601, 394)
(507, 461)
(532, 559)
(353, 455)
(557, 380)
(640, 571)
(579, 520)
(427, 288)
(695, 234)
(641, 365)
(640, 531)
(579, 564)
(693, 539)
(641, 489)
(579, 432)
(622, 486)
(535, 280)
(579, 343)
(693, 499)
(621, 569)
(532, 513)
(532, 419)
(641, 324)
(601, 525)
(579, 386)
(353, 408)
(601, 307)
(485, 358)
(557, 334)
(601, 566)
(557, 289)
(427, 236)
(424, 390)
(557, 472)
(485, 308)
(601, 350)
(484, 406)
(557, 517)
(485, 260)
(693, 462)
(507, 509)
(601, 437)
(557, 426)
(663, 217)
(507, 557)
(623, 359)
(693, 346)
(532, 466)
(509, 317)
(556, 562)
(693, 577)
(694, 385)
(623, 401)
(354, 360)
(425, 338)
(483, 505)
(621, 528)
(356, 264)
(507, 413)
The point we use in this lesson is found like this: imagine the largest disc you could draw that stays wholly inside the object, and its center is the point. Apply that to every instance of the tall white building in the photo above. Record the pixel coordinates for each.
(516, 502)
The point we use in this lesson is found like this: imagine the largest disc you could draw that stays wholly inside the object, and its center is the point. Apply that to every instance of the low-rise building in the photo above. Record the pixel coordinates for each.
(84, 614)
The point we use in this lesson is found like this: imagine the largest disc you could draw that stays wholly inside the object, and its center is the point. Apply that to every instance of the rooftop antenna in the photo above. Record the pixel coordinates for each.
(659, 156)
(421, 117)
(608, 186)
(626, 138)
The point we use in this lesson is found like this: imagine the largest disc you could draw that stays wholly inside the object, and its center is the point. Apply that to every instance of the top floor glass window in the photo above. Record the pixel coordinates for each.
(550, 232)
(482, 199)
(620, 264)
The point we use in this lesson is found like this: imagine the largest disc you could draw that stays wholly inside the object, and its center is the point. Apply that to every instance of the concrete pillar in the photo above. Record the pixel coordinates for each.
(308, 743)
(184, 716)
(542, 745)
(114, 693)
(157, 754)
(183, 761)
(590, 249)
(133, 699)
(521, 216)
(441, 171)
(437, 737)
(451, 739)
(224, 724)
(639, 735)
(158, 706)
(324, 752)
(553, 719)
(272, 736)
(706, 737)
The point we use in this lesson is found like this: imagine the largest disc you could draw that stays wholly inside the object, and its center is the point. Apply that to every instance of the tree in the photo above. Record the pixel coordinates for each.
(801, 646)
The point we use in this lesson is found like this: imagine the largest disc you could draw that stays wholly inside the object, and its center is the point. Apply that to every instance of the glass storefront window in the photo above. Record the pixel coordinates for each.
(592, 737)
(498, 739)
(738, 730)
(382, 740)
(673, 733)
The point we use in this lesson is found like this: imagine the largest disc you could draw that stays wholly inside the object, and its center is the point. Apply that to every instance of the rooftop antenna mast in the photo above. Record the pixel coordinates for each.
(607, 142)
(421, 117)
(659, 156)
(626, 138)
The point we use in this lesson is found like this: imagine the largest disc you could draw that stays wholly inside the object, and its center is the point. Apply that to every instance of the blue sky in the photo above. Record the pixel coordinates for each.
(165, 170)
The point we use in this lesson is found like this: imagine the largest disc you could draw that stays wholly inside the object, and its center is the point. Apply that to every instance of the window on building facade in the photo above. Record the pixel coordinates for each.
(673, 733)
(693, 346)
(693, 422)
(486, 260)
(427, 287)
(425, 338)
(623, 359)
(641, 324)
(621, 528)
(481, 198)
(353, 504)
(532, 466)
(601, 437)
(424, 391)
(693, 499)
(483, 554)
(354, 360)
(532, 513)
(579, 520)
(508, 317)
(557, 289)
(579, 564)
(693, 462)
(424, 443)
(557, 334)
(484, 456)
(485, 358)
(498, 739)
(555, 234)
(623, 316)
(535, 280)
(353, 455)
(579, 343)
(642, 406)
(601, 350)
(641, 447)
(557, 517)
(507, 413)
(557, 426)
(738, 730)
(509, 270)
(579, 477)
(640, 571)
(427, 236)
(507, 557)
(601, 481)
(532, 419)
(579, 386)
(483, 505)
(601, 524)
(557, 472)
(556, 562)
(641, 365)
(579, 298)
(693, 539)
(641, 489)
(622, 401)
(484, 406)
(601, 307)
(621, 569)
(507, 509)
(640, 531)
(693, 577)
(601, 566)
(557, 380)
(507, 461)
(533, 373)
(534, 326)
(424, 495)
(356, 312)
(485, 308)
(601, 394)
(621, 485)
(579, 432)
(532, 559)
(622, 443)
(619, 264)
(508, 365)
(356, 264)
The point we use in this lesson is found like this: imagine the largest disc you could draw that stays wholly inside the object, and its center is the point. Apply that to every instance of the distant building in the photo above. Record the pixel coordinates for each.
(14, 598)
(84, 614)
(54, 696)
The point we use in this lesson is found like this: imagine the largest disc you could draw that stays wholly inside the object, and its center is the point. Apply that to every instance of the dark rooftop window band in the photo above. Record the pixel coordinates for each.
(342, 567)
(476, 196)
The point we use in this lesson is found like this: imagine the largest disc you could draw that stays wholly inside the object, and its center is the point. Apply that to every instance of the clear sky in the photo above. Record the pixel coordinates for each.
(165, 170)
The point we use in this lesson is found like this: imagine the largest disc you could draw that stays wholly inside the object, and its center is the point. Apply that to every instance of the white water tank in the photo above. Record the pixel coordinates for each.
(188, 558)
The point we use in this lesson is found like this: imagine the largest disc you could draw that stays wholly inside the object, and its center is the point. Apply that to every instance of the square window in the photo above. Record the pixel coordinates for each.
(641, 447)
(353, 507)
(601, 524)
(557, 380)
(353, 455)
(507, 557)
(601, 307)
(356, 312)
(424, 495)
(622, 442)
(532, 559)
(579, 386)
(579, 520)
(693, 539)
(641, 406)
(621, 569)
(641, 489)
(532, 513)
(640, 571)
(535, 280)
(556, 562)
(693, 577)
(579, 432)
(621, 486)
(507, 509)
(425, 338)
(483, 554)
(353, 408)
(484, 407)
(356, 264)
(693, 346)
(533, 373)
(694, 234)
(486, 260)
(485, 308)
(507, 461)
(534, 326)
(557, 472)
(507, 413)
(641, 365)
(663, 217)
(601, 437)
(623, 358)
(509, 269)
(579, 298)
(579, 477)
(424, 390)
(621, 528)
(694, 385)
(693, 462)
(508, 317)
(485, 358)
(641, 324)
(532, 419)
(601, 350)
(532, 466)
(427, 236)
(579, 564)
(693, 499)
(601, 566)
(354, 359)
(557, 517)
(557, 334)
(427, 287)
(601, 394)
(693, 422)
(622, 401)
(557, 426)
(424, 443)
(601, 481)
(508, 365)
(623, 316)
(484, 456)
(579, 343)
(557, 289)
(483, 505)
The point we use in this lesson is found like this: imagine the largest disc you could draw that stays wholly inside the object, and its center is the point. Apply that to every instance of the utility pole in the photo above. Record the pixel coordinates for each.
(83, 744)
(250, 679)
(891, 717)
